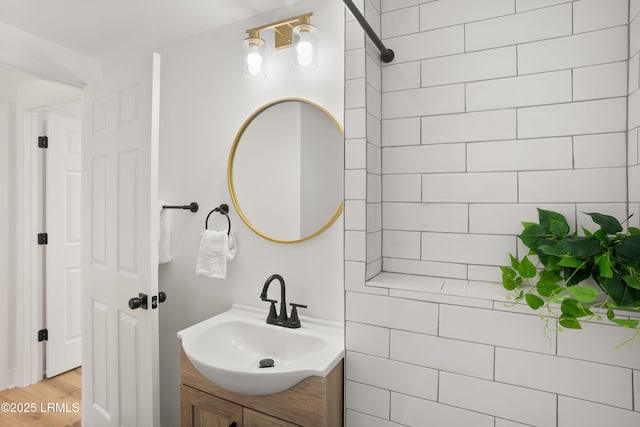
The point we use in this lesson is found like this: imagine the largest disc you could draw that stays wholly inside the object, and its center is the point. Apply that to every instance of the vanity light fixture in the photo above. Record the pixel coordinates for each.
(297, 31)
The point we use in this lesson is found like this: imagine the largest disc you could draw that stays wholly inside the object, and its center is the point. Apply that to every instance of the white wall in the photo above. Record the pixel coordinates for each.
(477, 89)
(204, 102)
(5, 131)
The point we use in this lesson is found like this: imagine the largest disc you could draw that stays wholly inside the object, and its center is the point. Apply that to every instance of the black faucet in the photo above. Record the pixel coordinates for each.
(280, 319)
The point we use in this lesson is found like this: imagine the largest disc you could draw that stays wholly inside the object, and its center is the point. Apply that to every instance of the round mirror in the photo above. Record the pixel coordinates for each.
(285, 170)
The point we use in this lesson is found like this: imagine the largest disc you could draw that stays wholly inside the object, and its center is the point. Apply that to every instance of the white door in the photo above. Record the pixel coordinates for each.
(120, 246)
(62, 292)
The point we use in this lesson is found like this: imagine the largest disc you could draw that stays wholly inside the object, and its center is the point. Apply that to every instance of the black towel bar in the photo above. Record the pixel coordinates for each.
(193, 207)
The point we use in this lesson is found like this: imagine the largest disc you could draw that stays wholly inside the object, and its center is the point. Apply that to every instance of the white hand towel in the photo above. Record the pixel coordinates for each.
(164, 239)
(216, 247)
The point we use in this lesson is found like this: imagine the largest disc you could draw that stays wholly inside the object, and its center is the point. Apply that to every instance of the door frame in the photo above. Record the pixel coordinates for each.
(31, 101)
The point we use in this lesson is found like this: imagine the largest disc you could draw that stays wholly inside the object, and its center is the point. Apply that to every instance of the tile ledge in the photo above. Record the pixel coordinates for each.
(440, 285)
(486, 291)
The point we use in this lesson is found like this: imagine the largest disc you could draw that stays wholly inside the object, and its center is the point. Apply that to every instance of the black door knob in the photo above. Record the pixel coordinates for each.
(140, 302)
(155, 300)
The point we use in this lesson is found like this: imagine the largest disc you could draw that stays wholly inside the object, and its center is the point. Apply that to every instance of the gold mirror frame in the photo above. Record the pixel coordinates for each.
(232, 156)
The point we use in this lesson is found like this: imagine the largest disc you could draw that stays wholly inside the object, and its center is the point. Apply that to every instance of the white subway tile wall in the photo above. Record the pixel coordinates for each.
(491, 109)
(633, 138)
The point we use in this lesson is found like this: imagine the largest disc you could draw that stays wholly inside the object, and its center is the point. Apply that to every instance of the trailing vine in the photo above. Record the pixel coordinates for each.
(564, 261)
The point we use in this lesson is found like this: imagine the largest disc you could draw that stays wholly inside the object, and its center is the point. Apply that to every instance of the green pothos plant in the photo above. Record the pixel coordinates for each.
(552, 275)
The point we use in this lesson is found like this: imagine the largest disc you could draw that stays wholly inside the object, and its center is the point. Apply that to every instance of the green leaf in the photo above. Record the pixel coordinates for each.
(627, 323)
(532, 235)
(557, 299)
(553, 222)
(514, 262)
(604, 266)
(569, 322)
(547, 288)
(583, 293)
(573, 276)
(620, 293)
(586, 232)
(550, 276)
(526, 268)
(509, 271)
(552, 264)
(629, 247)
(602, 236)
(534, 301)
(573, 308)
(569, 261)
(632, 282)
(580, 246)
(551, 250)
(608, 223)
(634, 231)
(509, 278)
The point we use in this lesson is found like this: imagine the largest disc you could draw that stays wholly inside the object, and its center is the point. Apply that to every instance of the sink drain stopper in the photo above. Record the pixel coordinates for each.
(267, 363)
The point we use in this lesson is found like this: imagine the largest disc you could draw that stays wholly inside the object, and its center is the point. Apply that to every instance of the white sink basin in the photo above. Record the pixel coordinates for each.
(228, 348)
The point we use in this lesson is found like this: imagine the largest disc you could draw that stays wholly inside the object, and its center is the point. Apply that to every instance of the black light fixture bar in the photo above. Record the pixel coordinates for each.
(386, 55)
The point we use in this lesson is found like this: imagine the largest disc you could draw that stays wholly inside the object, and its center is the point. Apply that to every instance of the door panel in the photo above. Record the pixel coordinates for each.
(120, 220)
(63, 283)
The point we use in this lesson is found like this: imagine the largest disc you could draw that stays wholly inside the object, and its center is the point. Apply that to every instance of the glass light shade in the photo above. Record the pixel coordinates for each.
(253, 59)
(305, 46)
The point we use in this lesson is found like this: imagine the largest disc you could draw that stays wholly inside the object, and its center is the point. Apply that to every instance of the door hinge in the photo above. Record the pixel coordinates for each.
(43, 142)
(43, 335)
(43, 238)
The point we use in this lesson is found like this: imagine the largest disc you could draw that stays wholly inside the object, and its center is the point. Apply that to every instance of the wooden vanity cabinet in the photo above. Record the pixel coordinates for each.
(199, 409)
(314, 402)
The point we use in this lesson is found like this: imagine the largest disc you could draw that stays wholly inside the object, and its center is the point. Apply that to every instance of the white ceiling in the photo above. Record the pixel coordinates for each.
(95, 27)
(11, 78)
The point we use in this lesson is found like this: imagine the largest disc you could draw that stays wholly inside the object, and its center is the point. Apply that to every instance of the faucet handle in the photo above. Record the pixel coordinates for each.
(272, 318)
(294, 320)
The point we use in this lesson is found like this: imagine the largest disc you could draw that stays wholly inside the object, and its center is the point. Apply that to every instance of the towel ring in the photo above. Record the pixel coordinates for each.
(224, 210)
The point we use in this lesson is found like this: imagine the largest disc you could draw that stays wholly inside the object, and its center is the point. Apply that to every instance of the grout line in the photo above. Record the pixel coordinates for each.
(464, 37)
(573, 12)
(628, 99)
(494, 363)
(490, 79)
(633, 392)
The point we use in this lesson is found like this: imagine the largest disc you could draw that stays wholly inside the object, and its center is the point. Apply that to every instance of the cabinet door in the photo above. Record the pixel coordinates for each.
(258, 419)
(199, 409)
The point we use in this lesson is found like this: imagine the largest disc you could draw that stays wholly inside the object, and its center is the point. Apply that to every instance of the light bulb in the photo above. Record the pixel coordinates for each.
(253, 60)
(305, 53)
(254, 63)
(306, 50)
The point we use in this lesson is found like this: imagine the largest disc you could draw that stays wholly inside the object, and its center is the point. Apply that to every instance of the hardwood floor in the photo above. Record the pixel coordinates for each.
(53, 402)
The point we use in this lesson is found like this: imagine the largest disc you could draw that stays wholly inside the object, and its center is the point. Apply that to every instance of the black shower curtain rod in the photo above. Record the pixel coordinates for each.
(386, 55)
